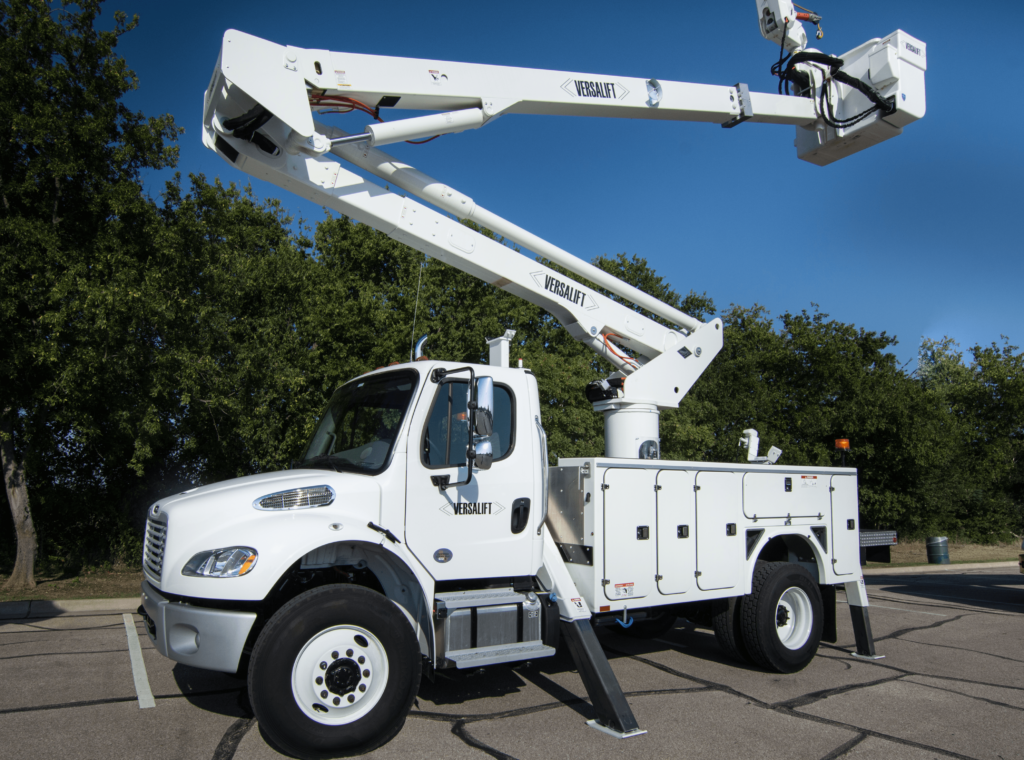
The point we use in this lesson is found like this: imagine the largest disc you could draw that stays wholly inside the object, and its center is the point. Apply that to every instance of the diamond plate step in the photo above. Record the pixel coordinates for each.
(476, 658)
(484, 597)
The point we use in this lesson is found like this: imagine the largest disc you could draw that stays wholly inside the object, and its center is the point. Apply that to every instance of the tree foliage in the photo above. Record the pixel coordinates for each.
(154, 344)
(74, 228)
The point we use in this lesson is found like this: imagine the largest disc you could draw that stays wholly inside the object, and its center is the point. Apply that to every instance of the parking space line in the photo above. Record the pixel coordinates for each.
(142, 690)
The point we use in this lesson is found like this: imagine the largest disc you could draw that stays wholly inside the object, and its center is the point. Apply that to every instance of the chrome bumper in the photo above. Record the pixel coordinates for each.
(196, 636)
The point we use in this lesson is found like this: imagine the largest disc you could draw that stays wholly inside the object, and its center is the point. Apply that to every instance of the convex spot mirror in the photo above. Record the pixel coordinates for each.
(484, 455)
(484, 408)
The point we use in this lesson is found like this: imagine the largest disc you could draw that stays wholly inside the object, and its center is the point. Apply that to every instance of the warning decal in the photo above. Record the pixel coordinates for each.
(808, 481)
(623, 590)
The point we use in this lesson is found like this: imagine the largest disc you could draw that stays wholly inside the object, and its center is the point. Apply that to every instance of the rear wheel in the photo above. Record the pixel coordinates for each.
(781, 619)
(335, 670)
(726, 619)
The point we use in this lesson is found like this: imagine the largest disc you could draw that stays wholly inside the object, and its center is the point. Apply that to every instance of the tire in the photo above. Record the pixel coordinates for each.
(781, 619)
(649, 628)
(349, 637)
(727, 621)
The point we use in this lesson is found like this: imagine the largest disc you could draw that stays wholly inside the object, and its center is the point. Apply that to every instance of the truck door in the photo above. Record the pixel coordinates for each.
(677, 538)
(484, 529)
(845, 527)
(720, 549)
(629, 527)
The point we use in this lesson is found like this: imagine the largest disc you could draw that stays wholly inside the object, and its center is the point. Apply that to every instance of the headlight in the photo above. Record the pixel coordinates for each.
(221, 563)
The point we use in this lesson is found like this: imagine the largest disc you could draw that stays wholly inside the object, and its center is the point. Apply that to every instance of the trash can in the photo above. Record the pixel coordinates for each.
(938, 550)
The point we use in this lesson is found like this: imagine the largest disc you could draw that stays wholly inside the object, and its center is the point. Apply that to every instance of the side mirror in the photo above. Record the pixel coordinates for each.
(484, 455)
(484, 408)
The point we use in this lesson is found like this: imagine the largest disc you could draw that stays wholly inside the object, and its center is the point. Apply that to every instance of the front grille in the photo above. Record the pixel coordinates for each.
(156, 538)
(297, 498)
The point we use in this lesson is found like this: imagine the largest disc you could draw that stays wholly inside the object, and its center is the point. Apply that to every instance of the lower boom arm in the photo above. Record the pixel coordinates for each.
(676, 357)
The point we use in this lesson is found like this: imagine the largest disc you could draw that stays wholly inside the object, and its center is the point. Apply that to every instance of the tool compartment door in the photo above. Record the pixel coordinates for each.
(676, 538)
(845, 540)
(720, 556)
(629, 558)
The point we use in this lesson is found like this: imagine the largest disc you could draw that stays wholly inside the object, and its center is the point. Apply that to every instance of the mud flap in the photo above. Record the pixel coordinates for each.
(829, 632)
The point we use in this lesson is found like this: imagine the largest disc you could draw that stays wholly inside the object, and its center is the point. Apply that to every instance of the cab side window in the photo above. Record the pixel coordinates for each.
(446, 437)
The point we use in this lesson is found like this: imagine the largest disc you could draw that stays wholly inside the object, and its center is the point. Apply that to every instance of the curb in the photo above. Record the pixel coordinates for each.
(44, 609)
(921, 569)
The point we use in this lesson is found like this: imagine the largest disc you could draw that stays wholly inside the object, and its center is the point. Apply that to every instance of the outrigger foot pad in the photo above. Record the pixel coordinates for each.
(613, 732)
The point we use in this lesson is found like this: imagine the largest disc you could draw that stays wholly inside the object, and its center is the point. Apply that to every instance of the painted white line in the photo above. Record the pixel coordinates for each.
(898, 609)
(142, 689)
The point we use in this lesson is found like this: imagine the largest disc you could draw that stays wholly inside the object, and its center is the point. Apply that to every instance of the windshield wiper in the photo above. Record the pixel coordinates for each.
(315, 462)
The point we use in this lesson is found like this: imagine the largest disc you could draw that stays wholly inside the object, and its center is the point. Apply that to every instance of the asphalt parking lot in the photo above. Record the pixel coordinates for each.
(951, 685)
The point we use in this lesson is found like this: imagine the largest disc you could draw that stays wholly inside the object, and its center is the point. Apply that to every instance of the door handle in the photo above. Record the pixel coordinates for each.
(520, 515)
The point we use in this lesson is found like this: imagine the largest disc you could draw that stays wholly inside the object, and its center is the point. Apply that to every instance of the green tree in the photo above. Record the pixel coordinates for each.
(73, 220)
(976, 491)
(229, 373)
(810, 382)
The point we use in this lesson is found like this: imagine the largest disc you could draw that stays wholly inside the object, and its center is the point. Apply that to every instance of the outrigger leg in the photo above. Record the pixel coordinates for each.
(857, 596)
(614, 716)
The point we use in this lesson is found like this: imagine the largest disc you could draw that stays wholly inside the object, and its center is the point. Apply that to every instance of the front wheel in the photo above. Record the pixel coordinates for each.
(782, 618)
(335, 670)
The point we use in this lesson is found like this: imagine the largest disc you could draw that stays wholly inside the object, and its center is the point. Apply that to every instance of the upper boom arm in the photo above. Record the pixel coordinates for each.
(287, 79)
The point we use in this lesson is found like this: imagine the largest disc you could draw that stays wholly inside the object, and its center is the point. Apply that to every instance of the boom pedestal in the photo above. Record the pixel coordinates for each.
(630, 430)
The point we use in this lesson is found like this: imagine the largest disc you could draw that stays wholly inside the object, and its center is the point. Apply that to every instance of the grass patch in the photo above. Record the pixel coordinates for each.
(87, 584)
(911, 553)
(951, 562)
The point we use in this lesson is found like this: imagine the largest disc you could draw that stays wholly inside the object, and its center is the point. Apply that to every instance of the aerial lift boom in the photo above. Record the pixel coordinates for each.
(259, 115)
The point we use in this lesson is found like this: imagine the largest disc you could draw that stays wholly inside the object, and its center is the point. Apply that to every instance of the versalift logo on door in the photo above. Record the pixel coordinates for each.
(597, 89)
(472, 508)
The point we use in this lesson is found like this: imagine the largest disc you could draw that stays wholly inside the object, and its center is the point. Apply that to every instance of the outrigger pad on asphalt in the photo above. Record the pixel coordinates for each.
(613, 713)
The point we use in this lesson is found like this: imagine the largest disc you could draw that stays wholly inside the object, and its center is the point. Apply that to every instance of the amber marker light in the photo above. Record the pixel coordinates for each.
(842, 446)
(247, 565)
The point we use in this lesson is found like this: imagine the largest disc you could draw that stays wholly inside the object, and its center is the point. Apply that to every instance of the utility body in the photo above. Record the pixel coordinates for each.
(423, 528)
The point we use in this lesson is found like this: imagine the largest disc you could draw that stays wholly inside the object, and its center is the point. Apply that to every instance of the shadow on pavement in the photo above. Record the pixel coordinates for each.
(1002, 592)
(218, 693)
(457, 687)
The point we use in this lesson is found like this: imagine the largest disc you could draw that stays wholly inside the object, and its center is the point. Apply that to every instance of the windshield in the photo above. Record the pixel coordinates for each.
(359, 427)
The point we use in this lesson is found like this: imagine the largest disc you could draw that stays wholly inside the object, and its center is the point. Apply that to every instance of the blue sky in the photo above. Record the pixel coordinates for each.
(917, 236)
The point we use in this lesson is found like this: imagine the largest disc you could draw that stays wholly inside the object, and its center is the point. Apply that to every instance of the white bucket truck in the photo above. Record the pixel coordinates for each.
(423, 528)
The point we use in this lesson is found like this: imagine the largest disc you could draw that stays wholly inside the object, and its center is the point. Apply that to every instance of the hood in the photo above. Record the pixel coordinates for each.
(222, 514)
(265, 482)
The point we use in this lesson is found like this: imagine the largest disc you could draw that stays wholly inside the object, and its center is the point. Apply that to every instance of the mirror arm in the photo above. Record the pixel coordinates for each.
(442, 481)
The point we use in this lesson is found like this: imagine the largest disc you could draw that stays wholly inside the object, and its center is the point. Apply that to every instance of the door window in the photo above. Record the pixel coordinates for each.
(446, 437)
